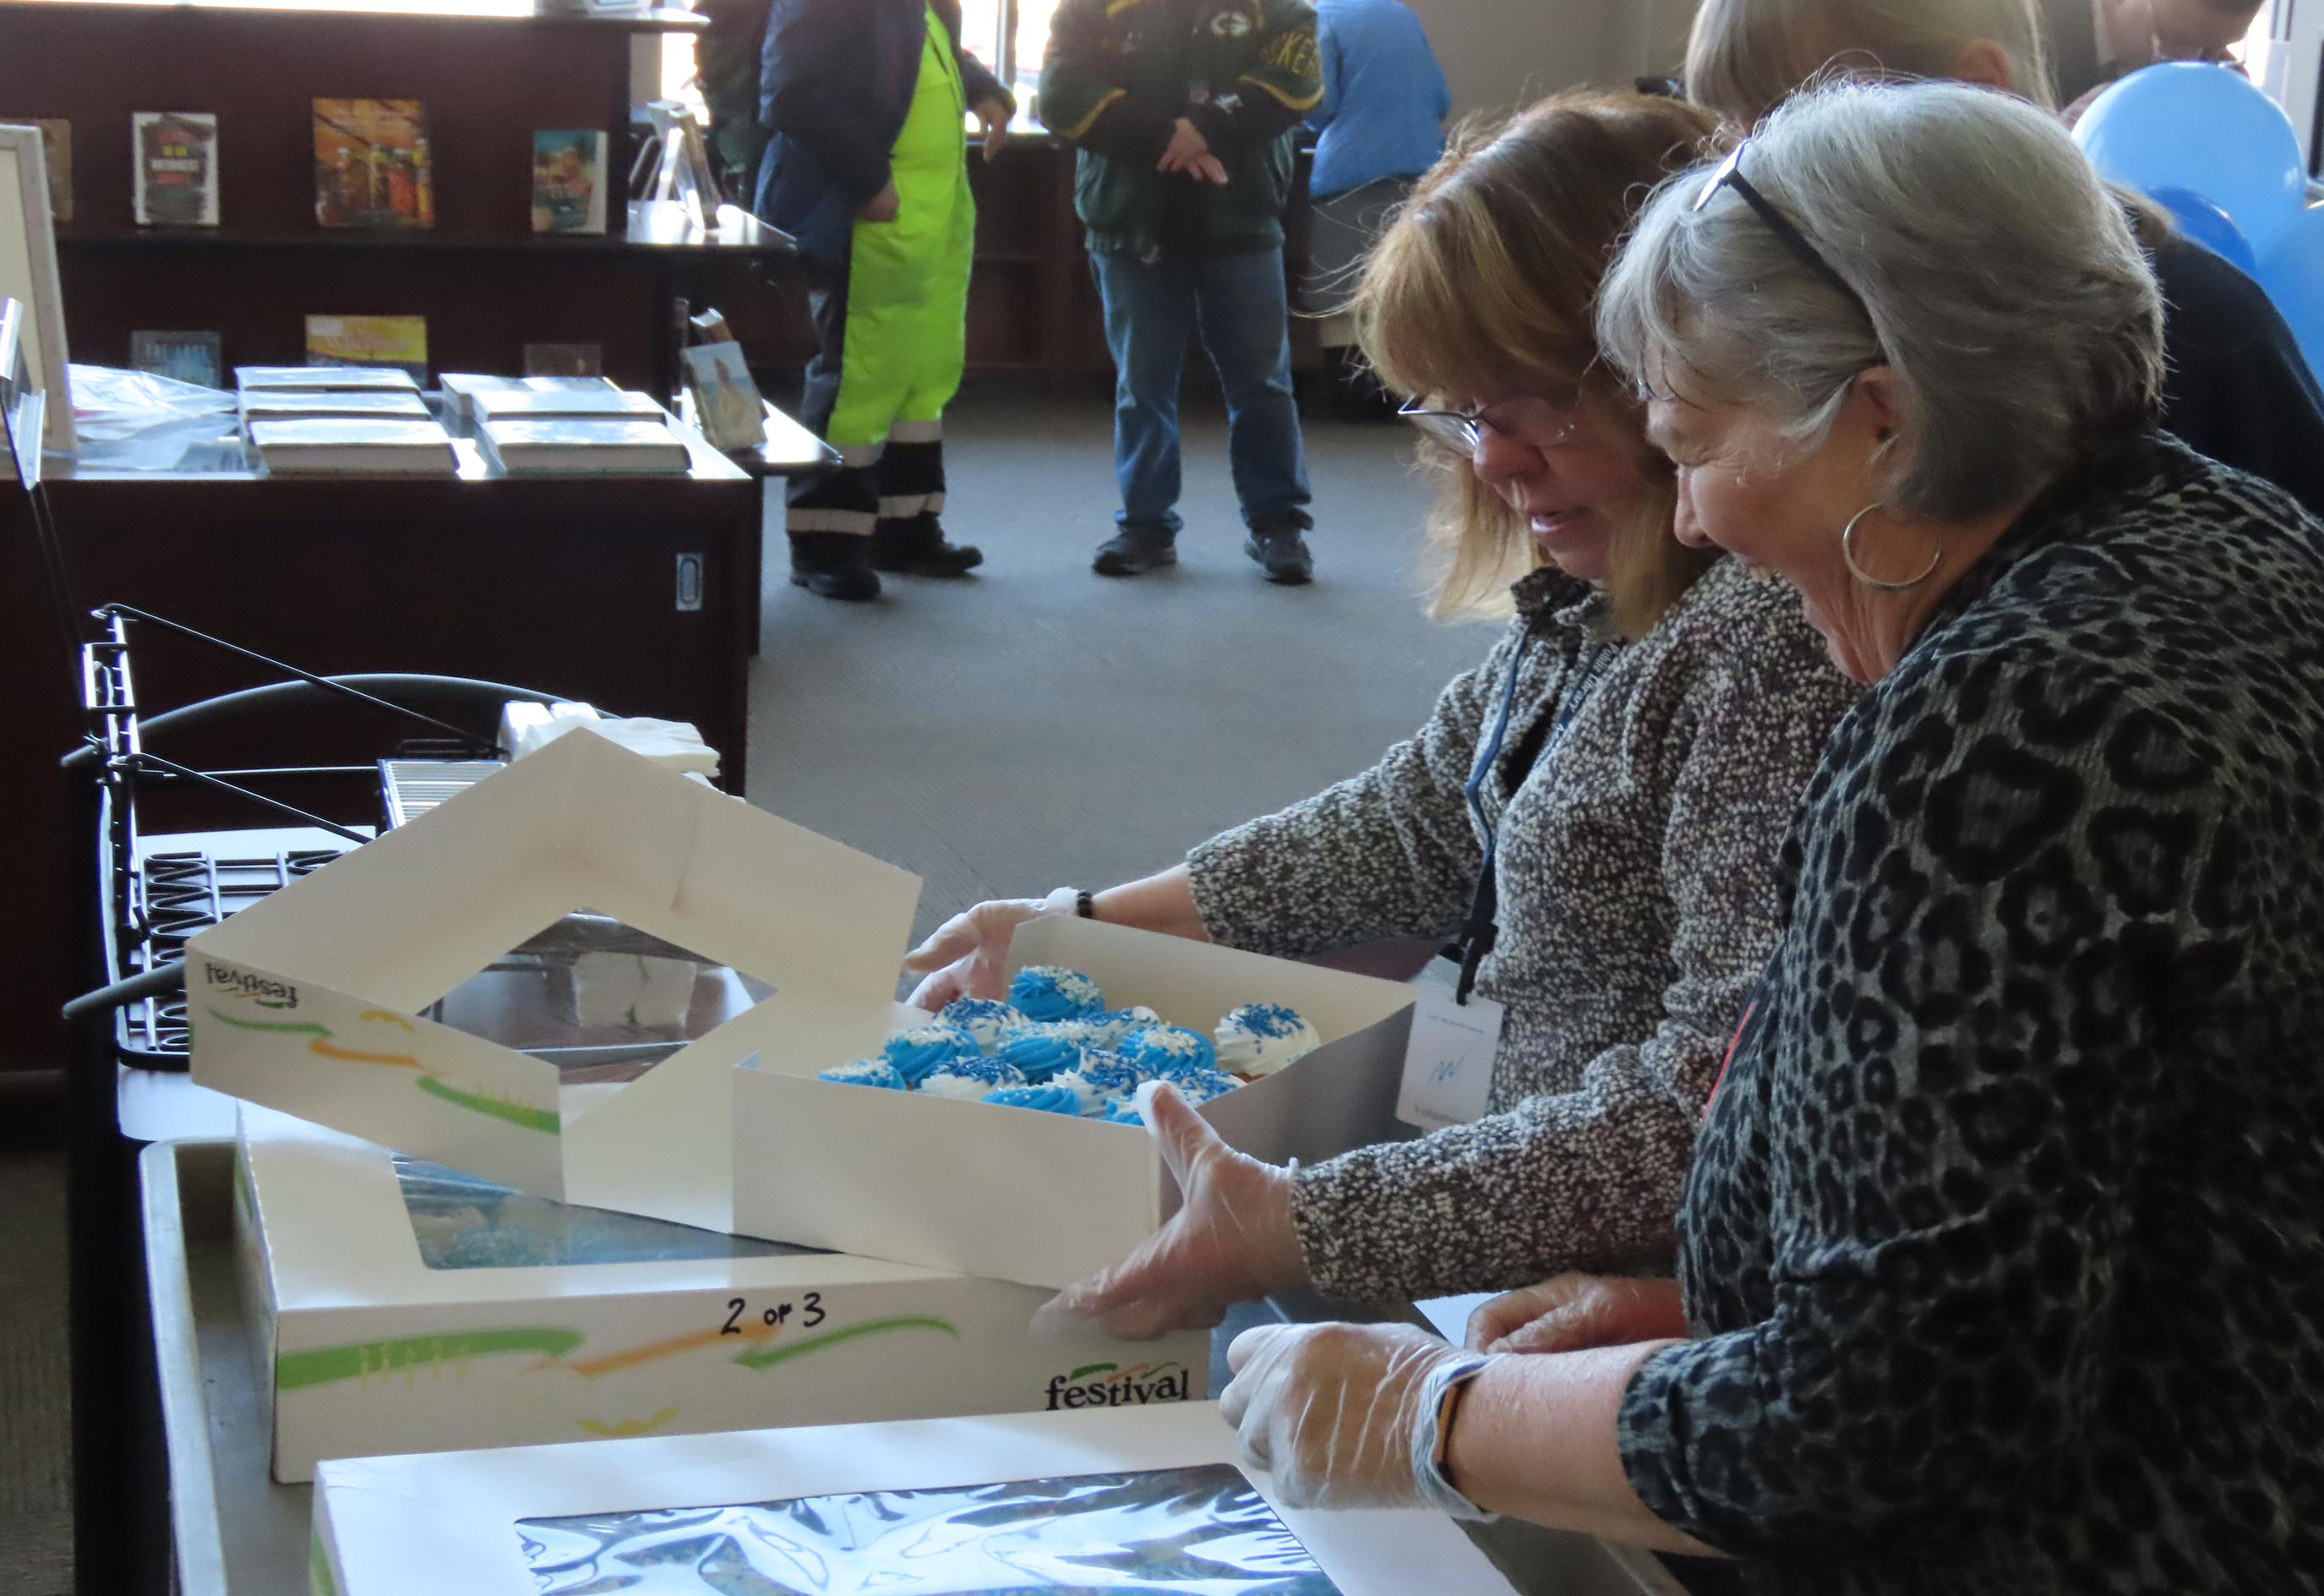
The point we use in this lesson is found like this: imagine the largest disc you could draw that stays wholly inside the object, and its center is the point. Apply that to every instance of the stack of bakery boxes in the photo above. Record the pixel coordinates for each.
(534, 1151)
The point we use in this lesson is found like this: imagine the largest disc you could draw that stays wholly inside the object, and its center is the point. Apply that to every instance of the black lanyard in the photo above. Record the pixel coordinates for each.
(1479, 930)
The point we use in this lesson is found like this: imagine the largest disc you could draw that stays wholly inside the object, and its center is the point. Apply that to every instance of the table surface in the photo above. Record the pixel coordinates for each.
(240, 1533)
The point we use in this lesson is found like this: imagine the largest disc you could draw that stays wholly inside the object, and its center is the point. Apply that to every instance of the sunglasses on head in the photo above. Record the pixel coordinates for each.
(1730, 175)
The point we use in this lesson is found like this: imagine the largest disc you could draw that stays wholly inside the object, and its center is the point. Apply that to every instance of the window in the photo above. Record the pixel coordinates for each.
(1014, 54)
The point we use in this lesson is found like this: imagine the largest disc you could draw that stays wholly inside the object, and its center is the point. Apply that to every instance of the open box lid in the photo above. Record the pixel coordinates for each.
(311, 1000)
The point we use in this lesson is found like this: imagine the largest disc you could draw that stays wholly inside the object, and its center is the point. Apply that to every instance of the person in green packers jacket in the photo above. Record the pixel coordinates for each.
(868, 102)
(1184, 112)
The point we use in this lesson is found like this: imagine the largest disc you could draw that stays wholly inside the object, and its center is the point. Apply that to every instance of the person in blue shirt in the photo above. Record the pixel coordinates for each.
(1380, 125)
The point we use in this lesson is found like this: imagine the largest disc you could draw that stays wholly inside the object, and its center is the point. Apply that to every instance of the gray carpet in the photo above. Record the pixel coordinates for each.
(1036, 725)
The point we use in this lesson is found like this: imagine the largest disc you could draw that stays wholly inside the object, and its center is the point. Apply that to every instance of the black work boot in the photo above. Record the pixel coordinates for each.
(833, 564)
(1134, 551)
(1282, 553)
(915, 545)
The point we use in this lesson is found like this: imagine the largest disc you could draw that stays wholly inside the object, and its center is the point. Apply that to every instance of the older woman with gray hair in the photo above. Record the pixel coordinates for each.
(1999, 1264)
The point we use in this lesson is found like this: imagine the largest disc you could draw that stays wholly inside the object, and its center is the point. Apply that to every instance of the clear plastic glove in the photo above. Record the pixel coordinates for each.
(1230, 1240)
(1344, 1415)
(968, 956)
(1571, 1313)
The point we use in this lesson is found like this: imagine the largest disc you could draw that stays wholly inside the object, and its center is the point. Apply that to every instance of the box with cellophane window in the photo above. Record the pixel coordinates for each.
(405, 1307)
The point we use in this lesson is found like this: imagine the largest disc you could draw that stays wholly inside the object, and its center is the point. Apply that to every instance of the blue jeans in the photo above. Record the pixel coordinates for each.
(1237, 303)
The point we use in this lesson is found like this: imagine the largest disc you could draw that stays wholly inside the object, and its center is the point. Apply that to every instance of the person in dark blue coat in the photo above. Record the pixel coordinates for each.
(866, 100)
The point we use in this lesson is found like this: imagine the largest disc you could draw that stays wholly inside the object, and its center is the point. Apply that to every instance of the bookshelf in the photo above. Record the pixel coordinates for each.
(486, 284)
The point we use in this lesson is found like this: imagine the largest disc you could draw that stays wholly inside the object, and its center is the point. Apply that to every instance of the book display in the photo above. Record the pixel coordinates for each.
(570, 445)
(399, 342)
(177, 169)
(569, 181)
(186, 357)
(527, 403)
(355, 447)
(372, 164)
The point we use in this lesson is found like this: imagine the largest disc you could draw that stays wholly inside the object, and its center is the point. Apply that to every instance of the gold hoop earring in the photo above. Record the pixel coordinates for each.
(1848, 555)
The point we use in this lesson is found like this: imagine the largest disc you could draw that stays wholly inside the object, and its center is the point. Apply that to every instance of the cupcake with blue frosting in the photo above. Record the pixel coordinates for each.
(971, 1080)
(1160, 1049)
(1198, 1086)
(1260, 1038)
(915, 1054)
(1051, 1098)
(981, 1018)
(1040, 1051)
(1051, 992)
(1108, 1030)
(1110, 1076)
(866, 1072)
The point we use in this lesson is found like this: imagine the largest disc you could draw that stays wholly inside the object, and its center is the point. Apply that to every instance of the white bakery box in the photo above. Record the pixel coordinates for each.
(398, 994)
(404, 1307)
(1149, 1500)
(1042, 1198)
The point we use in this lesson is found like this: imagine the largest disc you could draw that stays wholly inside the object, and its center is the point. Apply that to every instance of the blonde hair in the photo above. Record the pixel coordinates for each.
(1745, 57)
(1486, 284)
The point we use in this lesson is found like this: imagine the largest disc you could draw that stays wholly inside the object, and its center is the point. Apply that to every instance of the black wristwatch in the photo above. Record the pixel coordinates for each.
(1084, 905)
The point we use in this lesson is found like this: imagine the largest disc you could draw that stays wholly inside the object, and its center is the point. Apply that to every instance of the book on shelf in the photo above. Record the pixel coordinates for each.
(583, 444)
(372, 164)
(568, 180)
(325, 378)
(289, 404)
(377, 447)
(186, 357)
(56, 156)
(174, 158)
(725, 400)
(494, 404)
(460, 388)
(396, 341)
(564, 360)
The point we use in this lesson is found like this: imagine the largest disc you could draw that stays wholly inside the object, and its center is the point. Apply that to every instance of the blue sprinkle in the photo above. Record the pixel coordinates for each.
(1200, 1085)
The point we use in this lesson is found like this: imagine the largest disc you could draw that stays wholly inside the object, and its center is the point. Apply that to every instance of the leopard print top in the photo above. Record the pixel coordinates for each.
(2002, 1241)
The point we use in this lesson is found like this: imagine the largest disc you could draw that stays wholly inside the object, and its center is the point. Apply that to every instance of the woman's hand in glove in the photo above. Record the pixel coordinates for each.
(1336, 1412)
(1230, 1240)
(968, 956)
(1569, 1313)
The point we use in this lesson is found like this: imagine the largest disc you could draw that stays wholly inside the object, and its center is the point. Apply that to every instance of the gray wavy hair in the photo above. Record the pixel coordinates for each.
(2001, 282)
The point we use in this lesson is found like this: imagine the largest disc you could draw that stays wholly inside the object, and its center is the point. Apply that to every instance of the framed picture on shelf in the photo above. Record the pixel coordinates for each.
(28, 272)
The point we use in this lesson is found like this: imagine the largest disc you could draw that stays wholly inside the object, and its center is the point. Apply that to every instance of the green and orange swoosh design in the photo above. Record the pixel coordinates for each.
(321, 1042)
(407, 1355)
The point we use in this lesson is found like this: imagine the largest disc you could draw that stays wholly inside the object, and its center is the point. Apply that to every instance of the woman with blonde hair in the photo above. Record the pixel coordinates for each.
(2235, 384)
(1594, 810)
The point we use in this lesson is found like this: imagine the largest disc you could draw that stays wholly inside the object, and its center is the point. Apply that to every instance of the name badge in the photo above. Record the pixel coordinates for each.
(1448, 1066)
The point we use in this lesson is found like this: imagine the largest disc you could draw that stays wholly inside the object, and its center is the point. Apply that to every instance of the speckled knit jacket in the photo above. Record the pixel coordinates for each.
(1636, 908)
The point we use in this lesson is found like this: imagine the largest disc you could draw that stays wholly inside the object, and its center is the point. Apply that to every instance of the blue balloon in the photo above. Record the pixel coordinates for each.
(2189, 124)
(2209, 225)
(2292, 270)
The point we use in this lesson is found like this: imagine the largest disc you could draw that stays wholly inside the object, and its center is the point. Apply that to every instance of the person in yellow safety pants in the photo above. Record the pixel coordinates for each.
(868, 101)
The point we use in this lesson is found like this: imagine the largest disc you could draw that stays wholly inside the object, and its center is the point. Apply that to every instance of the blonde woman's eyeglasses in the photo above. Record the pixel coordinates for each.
(1542, 423)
